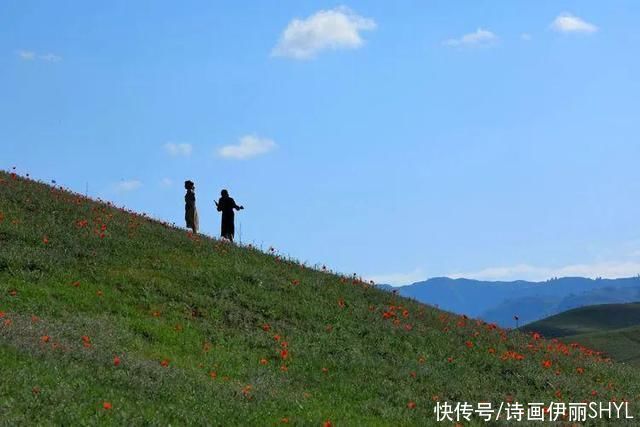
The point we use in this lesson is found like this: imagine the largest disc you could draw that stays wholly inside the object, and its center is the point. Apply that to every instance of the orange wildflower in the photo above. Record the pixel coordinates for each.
(411, 404)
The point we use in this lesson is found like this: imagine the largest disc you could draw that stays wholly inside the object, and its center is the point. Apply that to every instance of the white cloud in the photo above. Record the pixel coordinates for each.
(248, 146)
(50, 57)
(399, 279)
(176, 150)
(337, 28)
(26, 55)
(605, 269)
(567, 23)
(166, 182)
(127, 185)
(480, 37)
(526, 37)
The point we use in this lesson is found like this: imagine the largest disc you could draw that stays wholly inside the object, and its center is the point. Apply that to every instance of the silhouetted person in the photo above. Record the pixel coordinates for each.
(190, 211)
(226, 205)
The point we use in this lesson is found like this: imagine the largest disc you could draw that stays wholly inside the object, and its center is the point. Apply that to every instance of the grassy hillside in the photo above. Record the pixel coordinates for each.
(108, 317)
(611, 328)
(584, 320)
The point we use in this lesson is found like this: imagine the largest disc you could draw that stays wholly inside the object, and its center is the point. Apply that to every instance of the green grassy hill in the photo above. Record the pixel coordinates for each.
(109, 317)
(611, 328)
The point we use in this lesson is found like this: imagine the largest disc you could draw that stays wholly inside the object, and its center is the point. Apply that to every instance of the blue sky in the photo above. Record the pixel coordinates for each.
(398, 140)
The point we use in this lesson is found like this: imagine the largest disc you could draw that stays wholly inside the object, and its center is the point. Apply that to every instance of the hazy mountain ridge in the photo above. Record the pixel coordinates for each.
(499, 302)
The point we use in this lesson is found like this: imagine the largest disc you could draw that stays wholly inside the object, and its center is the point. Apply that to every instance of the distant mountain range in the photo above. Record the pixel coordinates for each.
(499, 302)
(611, 328)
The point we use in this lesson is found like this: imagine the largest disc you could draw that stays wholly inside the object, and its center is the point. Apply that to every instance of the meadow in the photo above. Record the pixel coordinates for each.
(109, 317)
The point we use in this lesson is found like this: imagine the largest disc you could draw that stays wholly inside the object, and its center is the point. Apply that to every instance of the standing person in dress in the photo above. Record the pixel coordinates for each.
(190, 211)
(226, 205)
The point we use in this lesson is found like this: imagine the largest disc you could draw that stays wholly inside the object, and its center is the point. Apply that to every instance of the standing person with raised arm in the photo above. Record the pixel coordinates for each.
(226, 205)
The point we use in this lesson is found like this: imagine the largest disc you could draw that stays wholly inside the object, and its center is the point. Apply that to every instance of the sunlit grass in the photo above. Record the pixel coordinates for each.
(185, 329)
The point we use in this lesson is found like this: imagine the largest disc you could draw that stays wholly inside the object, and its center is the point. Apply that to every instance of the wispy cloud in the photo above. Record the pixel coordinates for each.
(126, 186)
(607, 269)
(178, 150)
(337, 28)
(28, 55)
(568, 23)
(166, 182)
(50, 57)
(248, 146)
(480, 37)
(398, 279)
(526, 37)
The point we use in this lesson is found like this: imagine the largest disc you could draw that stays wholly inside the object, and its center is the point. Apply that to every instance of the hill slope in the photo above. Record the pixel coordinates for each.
(611, 328)
(109, 317)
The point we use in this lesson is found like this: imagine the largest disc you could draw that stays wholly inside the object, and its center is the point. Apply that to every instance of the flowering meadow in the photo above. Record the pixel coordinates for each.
(110, 317)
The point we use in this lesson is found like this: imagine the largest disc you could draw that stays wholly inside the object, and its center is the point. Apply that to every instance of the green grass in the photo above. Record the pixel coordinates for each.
(82, 282)
(611, 328)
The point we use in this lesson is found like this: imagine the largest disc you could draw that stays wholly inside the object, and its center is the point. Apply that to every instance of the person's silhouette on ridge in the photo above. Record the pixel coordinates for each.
(190, 211)
(226, 205)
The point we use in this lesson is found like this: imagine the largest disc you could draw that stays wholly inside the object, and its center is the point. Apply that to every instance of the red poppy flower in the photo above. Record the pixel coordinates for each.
(266, 327)
(325, 370)
(45, 338)
(213, 375)
(580, 370)
(116, 361)
(284, 368)
(45, 240)
(276, 337)
(411, 404)
(327, 424)
(547, 364)
(263, 361)
(164, 363)
(284, 354)
(107, 406)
